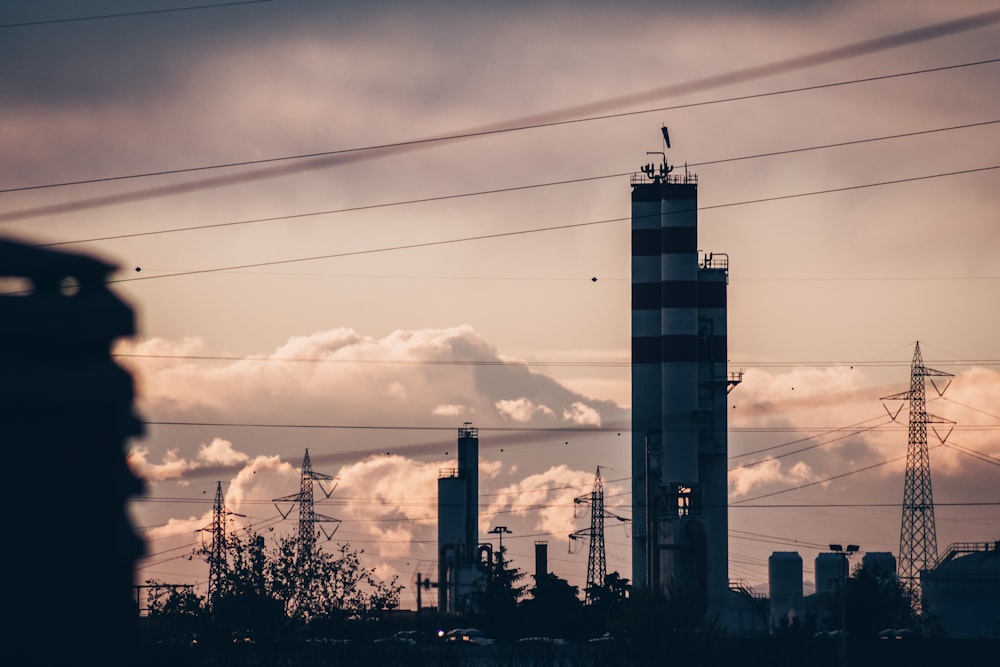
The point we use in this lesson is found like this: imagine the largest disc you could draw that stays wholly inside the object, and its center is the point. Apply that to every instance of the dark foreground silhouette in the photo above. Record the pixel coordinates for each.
(65, 415)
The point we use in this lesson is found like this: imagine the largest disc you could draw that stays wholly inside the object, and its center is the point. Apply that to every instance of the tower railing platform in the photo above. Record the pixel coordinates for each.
(686, 178)
(959, 548)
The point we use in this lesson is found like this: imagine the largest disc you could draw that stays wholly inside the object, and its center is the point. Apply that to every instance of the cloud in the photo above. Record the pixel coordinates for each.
(340, 378)
(448, 410)
(580, 413)
(172, 466)
(744, 479)
(548, 496)
(521, 410)
(221, 451)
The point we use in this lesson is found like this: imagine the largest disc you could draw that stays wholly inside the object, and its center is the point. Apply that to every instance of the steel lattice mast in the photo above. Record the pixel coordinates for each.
(217, 558)
(597, 567)
(217, 548)
(918, 535)
(309, 519)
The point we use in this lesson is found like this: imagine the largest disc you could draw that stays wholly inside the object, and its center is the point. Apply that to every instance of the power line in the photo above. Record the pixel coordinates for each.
(984, 503)
(810, 447)
(522, 429)
(562, 116)
(795, 442)
(974, 453)
(516, 188)
(144, 12)
(544, 363)
(497, 235)
(821, 481)
(969, 407)
(371, 427)
(308, 156)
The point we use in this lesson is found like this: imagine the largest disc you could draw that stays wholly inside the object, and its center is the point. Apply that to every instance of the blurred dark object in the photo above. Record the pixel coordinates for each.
(66, 412)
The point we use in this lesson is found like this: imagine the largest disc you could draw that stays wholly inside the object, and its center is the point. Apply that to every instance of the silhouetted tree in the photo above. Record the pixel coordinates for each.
(652, 625)
(605, 604)
(263, 589)
(166, 600)
(876, 601)
(497, 603)
(553, 609)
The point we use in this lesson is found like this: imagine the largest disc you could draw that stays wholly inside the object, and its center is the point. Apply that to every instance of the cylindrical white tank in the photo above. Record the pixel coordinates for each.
(784, 571)
(831, 571)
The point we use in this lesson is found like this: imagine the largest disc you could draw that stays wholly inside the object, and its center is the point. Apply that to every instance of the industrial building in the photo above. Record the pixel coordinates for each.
(962, 592)
(788, 604)
(460, 574)
(680, 380)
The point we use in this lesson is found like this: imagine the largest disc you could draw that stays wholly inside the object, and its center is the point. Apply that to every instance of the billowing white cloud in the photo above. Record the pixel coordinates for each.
(547, 496)
(172, 465)
(521, 410)
(448, 410)
(745, 479)
(581, 413)
(221, 451)
(339, 375)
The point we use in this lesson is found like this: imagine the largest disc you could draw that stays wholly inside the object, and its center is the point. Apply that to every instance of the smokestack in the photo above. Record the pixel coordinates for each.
(541, 560)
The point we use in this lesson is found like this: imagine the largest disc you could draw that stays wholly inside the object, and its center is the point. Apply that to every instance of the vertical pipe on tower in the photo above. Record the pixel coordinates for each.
(713, 442)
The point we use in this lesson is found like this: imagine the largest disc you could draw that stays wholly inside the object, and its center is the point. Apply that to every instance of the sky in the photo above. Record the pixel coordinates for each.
(366, 302)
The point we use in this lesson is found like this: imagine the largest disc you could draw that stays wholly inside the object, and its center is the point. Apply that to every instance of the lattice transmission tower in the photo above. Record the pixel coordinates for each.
(309, 519)
(597, 565)
(217, 547)
(918, 535)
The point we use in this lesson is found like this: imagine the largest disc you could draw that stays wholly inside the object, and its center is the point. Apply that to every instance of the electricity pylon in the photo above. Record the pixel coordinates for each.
(309, 519)
(597, 568)
(217, 549)
(918, 535)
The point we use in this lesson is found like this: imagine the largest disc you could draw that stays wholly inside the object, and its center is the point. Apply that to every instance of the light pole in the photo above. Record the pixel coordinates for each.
(846, 555)
(500, 530)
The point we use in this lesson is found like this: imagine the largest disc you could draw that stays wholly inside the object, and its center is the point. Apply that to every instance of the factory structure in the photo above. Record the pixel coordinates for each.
(679, 454)
(460, 575)
(680, 379)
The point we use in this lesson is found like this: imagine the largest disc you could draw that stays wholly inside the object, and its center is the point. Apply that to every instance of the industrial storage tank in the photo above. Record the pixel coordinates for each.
(879, 563)
(831, 571)
(784, 571)
(963, 590)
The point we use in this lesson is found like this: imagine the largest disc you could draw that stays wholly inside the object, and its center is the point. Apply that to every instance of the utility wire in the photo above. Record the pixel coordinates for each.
(515, 188)
(521, 429)
(307, 156)
(547, 119)
(822, 481)
(370, 427)
(496, 235)
(795, 442)
(806, 449)
(974, 453)
(542, 363)
(145, 12)
(969, 407)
